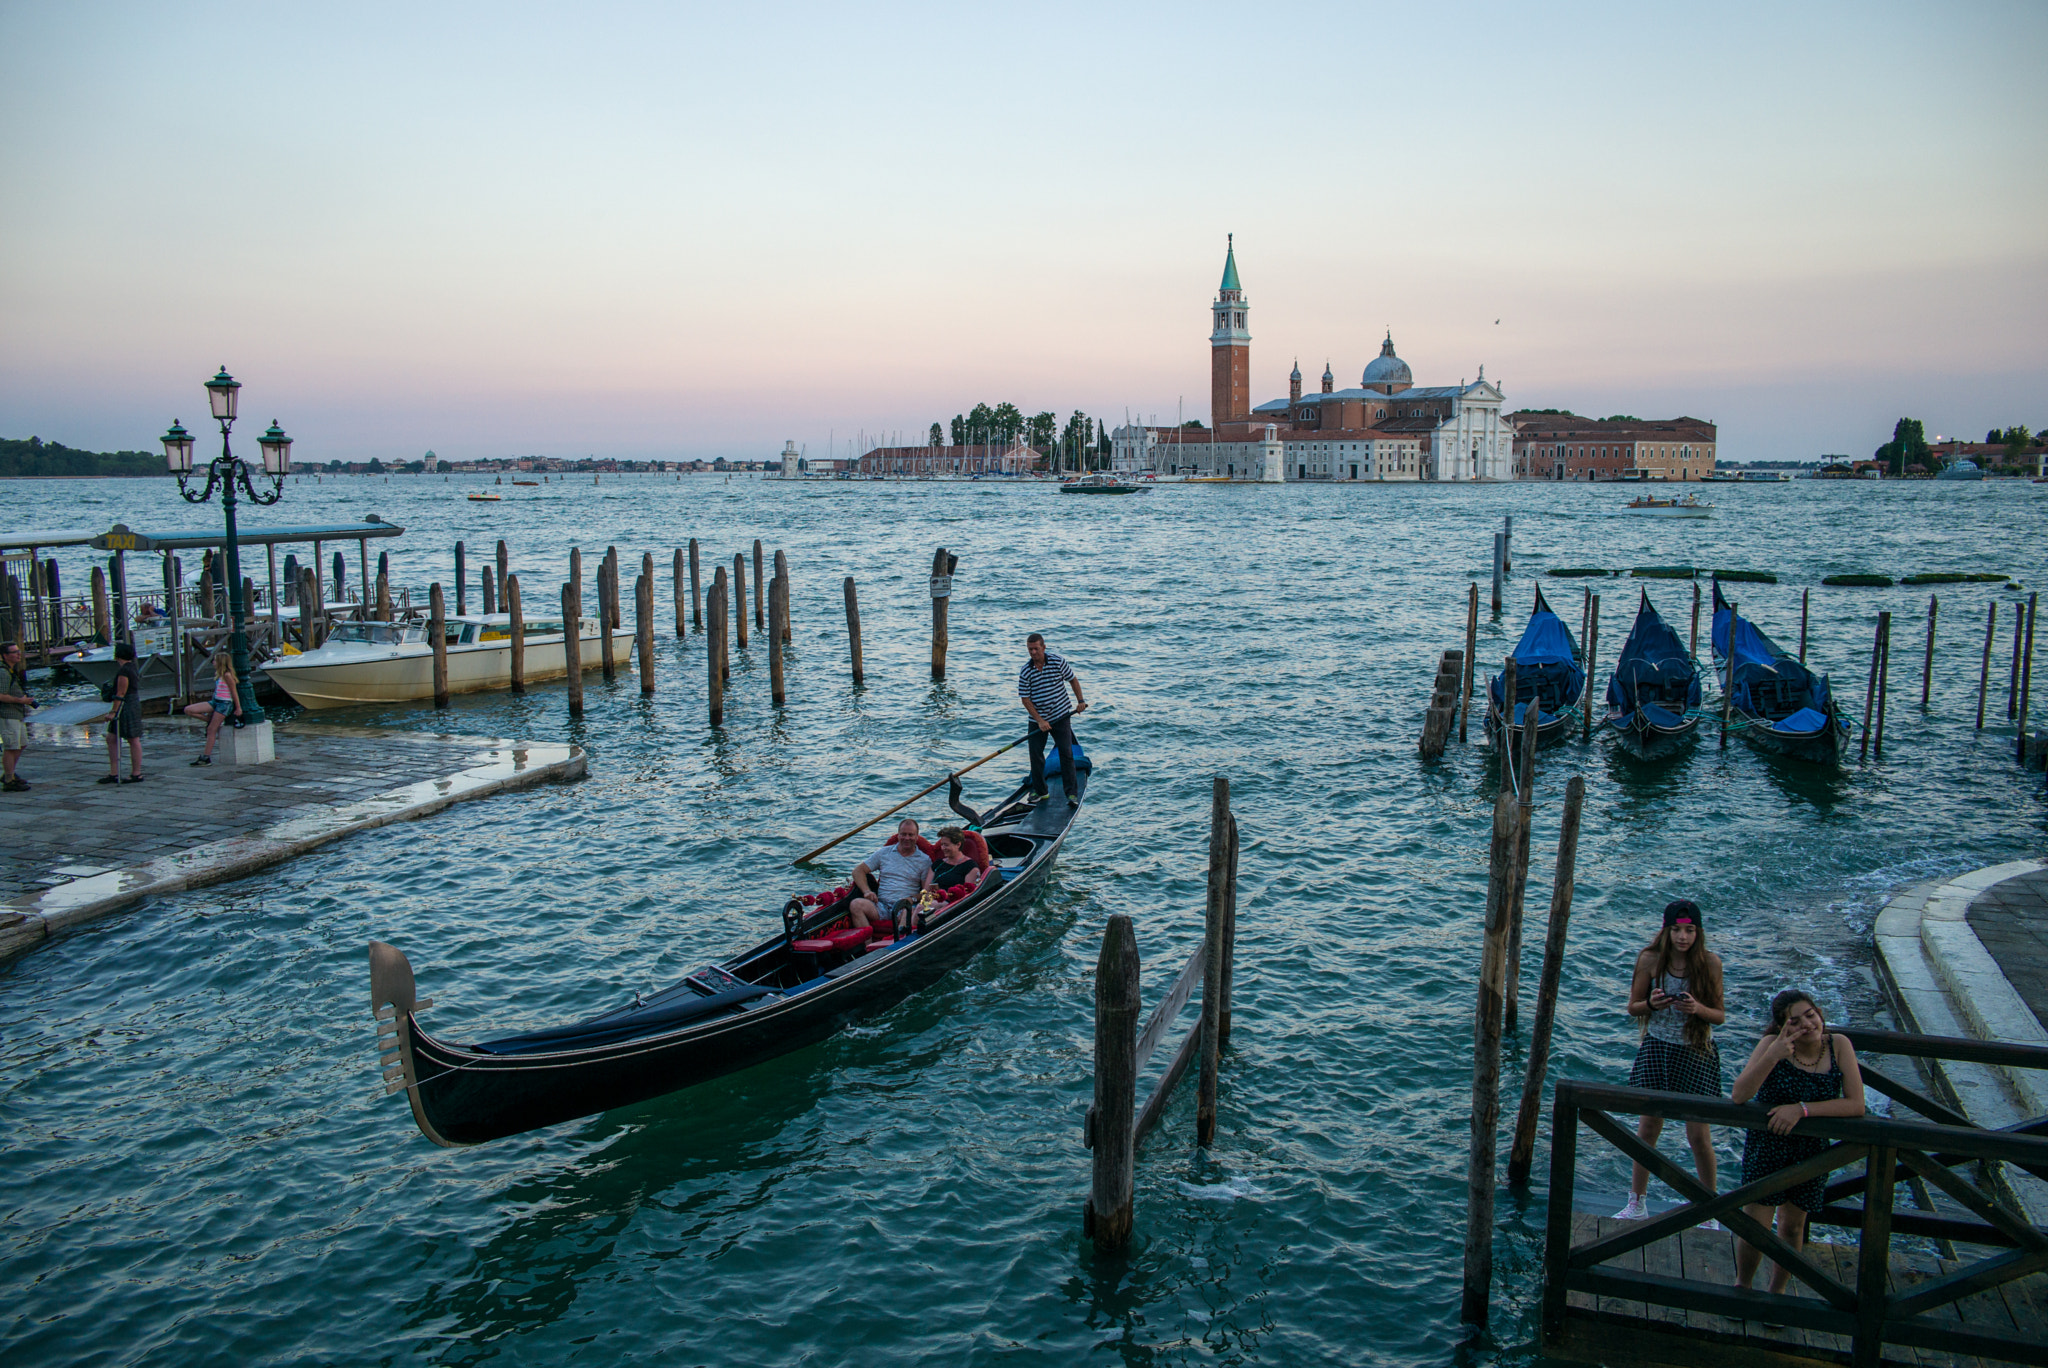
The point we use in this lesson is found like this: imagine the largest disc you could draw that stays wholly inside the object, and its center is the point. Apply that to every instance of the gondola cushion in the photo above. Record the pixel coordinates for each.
(849, 938)
(1081, 760)
(813, 947)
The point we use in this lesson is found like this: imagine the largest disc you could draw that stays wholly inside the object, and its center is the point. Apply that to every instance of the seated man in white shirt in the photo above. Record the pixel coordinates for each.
(897, 871)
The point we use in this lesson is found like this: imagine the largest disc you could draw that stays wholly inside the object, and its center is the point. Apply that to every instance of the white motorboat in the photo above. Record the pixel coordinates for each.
(393, 662)
(1687, 507)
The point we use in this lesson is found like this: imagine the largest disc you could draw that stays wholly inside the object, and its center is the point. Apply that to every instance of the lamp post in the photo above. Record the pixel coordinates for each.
(226, 471)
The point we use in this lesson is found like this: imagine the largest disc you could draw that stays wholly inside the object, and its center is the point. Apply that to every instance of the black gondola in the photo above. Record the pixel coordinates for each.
(1653, 696)
(1785, 708)
(1547, 676)
(760, 1003)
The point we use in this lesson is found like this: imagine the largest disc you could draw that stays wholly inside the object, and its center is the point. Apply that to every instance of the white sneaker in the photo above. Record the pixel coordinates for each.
(1634, 1211)
(1710, 1224)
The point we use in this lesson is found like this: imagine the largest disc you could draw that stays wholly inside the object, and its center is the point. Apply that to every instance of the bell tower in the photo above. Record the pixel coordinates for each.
(1230, 349)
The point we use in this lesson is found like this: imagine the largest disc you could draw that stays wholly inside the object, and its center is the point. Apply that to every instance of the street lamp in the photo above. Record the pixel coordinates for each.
(226, 471)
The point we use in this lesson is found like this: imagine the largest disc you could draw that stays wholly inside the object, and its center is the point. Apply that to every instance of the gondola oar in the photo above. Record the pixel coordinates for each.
(806, 859)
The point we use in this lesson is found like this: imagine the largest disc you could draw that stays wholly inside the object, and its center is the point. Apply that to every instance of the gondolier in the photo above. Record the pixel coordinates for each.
(1042, 684)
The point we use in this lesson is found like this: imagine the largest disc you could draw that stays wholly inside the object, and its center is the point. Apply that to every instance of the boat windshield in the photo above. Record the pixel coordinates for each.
(374, 633)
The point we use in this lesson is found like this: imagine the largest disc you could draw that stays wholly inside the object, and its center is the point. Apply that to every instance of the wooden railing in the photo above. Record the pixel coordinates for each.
(1890, 1151)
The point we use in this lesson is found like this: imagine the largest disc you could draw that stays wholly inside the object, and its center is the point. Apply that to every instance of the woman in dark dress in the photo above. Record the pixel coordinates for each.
(1798, 1070)
(125, 723)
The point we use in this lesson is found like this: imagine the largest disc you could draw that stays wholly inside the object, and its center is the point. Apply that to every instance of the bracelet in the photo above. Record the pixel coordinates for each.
(1803, 1111)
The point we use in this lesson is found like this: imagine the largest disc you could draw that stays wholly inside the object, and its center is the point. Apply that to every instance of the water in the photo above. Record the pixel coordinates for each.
(200, 1167)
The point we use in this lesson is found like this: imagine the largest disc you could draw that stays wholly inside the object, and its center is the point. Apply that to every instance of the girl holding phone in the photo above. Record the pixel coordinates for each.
(1676, 992)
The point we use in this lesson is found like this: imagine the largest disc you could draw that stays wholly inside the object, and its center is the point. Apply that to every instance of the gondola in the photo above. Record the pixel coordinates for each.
(1547, 674)
(1785, 708)
(1653, 696)
(783, 993)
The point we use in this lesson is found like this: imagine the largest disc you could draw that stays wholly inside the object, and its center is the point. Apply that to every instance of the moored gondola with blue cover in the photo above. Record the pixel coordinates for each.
(798, 986)
(1785, 708)
(1653, 696)
(1548, 678)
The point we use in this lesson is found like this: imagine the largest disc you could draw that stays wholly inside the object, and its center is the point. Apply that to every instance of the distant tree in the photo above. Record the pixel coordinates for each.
(981, 424)
(1074, 440)
(37, 457)
(418, 468)
(1194, 423)
(1993, 437)
(1007, 421)
(1908, 445)
(959, 430)
(377, 468)
(1610, 418)
(938, 438)
(2017, 440)
(1042, 430)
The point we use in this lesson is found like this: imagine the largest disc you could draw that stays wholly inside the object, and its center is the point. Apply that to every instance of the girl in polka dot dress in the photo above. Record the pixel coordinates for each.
(1677, 994)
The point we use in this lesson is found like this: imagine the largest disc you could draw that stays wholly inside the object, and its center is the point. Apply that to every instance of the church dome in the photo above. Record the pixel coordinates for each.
(1387, 368)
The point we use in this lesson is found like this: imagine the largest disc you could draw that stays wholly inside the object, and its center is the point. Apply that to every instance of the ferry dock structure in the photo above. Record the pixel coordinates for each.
(77, 851)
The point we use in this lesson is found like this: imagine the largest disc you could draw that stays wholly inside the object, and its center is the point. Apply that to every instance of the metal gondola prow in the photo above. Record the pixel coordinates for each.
(394, 1000)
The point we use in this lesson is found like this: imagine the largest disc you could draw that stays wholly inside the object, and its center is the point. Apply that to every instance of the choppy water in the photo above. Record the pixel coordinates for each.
(199, 1166)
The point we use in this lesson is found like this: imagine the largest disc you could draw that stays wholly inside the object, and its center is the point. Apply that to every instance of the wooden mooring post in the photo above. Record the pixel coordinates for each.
(1586, 703)
(643, 614)
(1471, 645)
(715, 686)
(2027, 675)
(1526, 782)
(1692, 647)
(1443, 704)
(518, 631)
(607, 610)
(1479, 1166)
(504, 569)
(461, 579)
(1869, 686)
(775, 611)
(1728, 674)
(696, 589)
(853, 628)
(737, 619)
(1927, 667)
(1805, 606)
(1507, 544)
(1497, 554)
(2012, 685)
(1884, 681)
(942, 595)
(1115, 1127)
(675, 580)
(1521, 1153)
(760, 583)
(1984, 670)
(572, 644)
(437, 634)
(309, 608)
(782, 573)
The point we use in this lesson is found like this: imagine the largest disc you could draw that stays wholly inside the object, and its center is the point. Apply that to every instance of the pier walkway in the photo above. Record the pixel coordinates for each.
(73, 850)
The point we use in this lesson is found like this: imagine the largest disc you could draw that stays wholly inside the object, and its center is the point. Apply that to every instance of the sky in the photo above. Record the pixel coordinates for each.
(666, 230)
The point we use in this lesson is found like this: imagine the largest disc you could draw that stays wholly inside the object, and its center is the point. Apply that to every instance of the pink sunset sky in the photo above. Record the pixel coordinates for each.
(647, 231)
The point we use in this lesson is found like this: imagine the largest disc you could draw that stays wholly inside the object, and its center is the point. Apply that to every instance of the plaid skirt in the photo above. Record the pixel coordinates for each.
(1664, 1067)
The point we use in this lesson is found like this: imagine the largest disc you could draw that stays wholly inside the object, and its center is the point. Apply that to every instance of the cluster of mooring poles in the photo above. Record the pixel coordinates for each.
(1499, 989)
(1116, 1126)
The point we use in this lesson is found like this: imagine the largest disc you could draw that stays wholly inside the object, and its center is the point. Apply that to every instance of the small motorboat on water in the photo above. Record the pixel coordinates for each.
(486, 498)
(1785, 708)
(1548, 678)
(1101, 484)
(802, 984)
(1687, 507)
(1653, 696)
(527, 484)
(393, 662)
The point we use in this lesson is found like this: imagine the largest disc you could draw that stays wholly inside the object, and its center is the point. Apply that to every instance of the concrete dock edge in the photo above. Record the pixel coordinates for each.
(28, 922)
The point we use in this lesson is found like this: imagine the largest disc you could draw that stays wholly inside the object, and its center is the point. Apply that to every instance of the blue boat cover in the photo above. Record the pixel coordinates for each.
(1546, 667)
(1052, 758)
(1768, 682)
(1805, 722)
(1654, 670)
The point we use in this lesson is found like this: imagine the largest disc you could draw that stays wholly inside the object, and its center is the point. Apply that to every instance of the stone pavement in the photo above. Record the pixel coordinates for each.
(2011, 919)
(73, 849)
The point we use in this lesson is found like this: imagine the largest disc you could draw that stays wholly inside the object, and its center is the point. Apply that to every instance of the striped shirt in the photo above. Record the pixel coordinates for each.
(1047, 687)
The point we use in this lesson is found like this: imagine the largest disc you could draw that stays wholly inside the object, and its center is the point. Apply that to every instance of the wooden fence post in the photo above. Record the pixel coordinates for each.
(942, 592)
(1984, 670)
(2027, 676)
(1592, 651)
(715, 690)
(1527, 797)
(1471, 660)
(1927, 669)
(461, 579)
(1107, 1216)
(775, 691)
(738, 616)
(437, 630)
(643, 614)
(853, 628)
(782, 573)
(696, 589)
(518, 631)
(760, 583)
(1522, 1151)
(1212, 966)
(572, 644)
(675, 580)
(1479, 1167)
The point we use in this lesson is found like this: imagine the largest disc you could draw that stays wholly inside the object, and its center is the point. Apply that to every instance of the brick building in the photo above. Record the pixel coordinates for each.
(1565, 446)
(902, 462)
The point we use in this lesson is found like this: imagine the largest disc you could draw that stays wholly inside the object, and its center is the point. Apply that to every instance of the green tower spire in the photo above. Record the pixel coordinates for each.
(1230, 263)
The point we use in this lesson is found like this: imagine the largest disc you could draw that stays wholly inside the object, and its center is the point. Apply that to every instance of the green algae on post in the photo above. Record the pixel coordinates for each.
(1685, 572)
(1746, 576)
